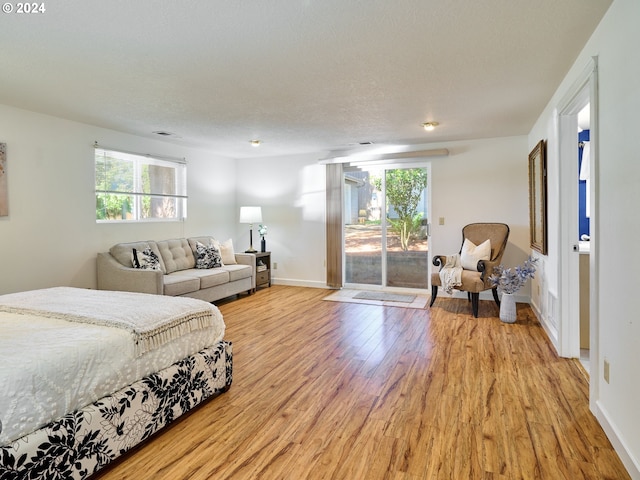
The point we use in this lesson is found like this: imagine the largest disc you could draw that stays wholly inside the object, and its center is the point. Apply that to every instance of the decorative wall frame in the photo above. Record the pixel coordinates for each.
(538, 197)
(4, 194)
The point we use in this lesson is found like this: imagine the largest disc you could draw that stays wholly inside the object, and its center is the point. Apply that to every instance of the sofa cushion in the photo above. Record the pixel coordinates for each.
(176, 255)
(227, 252)
(145, 259)
(178, 283)
(226, 248)
(193, 241)
(209, 277)
(238, 272)
(207, 256)
(122, 252)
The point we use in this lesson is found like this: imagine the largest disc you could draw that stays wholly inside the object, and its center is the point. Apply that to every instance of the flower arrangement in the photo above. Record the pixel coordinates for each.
(510, 280)
(262, 230)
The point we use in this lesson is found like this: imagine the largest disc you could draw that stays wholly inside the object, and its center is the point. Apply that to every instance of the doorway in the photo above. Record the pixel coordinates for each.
(578, 283)
(386, 227)
(583, 233)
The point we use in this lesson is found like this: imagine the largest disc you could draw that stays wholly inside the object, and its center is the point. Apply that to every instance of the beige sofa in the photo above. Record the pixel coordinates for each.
(177, 275)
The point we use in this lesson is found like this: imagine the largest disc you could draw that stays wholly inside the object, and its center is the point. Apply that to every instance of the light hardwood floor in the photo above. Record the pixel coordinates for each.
(348, 391)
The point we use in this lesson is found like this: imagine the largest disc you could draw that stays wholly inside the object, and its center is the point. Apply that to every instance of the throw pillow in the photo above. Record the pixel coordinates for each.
(471, 254)
(145, 259)
(226, 250)
(207, 257)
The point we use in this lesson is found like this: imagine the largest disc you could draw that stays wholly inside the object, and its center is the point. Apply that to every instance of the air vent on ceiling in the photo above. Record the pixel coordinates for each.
(162, 133)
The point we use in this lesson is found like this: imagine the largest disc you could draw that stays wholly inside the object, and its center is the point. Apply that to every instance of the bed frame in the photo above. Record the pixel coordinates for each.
(81, 443)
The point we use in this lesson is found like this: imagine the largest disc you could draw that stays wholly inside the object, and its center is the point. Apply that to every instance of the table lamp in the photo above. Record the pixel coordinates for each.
(250, 215)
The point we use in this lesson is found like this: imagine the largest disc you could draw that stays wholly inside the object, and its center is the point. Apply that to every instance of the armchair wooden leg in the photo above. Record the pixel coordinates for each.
(434, 294)
(495, 296)
(474, 303)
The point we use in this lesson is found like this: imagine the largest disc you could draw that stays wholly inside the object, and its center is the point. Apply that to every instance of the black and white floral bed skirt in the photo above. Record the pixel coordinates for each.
(81, 443)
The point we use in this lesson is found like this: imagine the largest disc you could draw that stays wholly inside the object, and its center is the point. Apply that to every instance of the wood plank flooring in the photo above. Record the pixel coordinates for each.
(328, 390)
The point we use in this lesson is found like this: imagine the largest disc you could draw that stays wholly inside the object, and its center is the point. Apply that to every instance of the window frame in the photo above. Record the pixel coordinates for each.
(136, 192)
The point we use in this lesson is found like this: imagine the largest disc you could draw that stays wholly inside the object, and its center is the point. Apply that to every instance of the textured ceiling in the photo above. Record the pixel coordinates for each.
(300, 75)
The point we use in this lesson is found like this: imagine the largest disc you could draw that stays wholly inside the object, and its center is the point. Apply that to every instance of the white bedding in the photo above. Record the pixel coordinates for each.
(50, 367)
(152, 319)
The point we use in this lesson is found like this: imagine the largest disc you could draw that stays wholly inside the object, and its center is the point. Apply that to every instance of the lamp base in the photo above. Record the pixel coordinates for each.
(251, 249)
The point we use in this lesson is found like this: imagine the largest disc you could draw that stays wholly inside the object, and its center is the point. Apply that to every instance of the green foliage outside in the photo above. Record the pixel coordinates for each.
(404, 188)
(116, 175)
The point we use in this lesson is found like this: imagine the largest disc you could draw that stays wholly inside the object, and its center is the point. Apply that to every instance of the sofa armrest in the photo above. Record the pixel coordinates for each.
(248, 259)
(112, 275)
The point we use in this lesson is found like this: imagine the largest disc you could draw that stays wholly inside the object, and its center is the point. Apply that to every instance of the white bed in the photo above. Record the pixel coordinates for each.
(58, 359)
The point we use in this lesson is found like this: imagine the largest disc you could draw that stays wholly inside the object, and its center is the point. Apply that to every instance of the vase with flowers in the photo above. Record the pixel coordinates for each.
(262, 231)
(508, 281)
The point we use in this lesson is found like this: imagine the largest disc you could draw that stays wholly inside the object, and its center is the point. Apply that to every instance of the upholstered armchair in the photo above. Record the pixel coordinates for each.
(469, 271)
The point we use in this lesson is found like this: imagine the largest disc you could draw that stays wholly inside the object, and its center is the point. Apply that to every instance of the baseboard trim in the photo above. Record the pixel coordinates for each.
(551, 331)
(486, 295)
(298, 283)
(629, 462)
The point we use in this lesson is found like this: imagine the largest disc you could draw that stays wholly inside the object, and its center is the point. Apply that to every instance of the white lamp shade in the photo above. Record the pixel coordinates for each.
(250, 214)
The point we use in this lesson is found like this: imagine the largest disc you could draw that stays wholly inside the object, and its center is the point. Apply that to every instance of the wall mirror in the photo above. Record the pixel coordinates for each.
(538, 198)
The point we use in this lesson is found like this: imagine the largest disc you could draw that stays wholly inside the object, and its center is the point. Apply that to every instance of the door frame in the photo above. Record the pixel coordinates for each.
(390, 165)
(584, 91)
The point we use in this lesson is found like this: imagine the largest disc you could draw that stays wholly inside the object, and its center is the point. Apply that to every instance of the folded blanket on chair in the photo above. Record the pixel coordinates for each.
(451, 273)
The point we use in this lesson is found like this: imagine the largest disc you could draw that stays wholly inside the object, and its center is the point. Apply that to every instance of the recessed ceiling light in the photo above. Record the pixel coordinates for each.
(428, 126)
(255, 143)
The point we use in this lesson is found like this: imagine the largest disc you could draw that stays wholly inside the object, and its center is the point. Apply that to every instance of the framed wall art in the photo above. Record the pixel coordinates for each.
(538, 197)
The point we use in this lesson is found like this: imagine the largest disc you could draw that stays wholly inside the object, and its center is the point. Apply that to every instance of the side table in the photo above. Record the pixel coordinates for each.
(263, 269)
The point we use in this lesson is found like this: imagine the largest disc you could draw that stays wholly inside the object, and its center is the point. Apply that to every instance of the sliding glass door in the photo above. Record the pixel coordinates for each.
(363, 230)
(385, 214)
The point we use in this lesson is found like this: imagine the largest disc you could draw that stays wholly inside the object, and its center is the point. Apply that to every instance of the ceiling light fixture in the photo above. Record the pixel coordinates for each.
(428, 126)
(255, 143)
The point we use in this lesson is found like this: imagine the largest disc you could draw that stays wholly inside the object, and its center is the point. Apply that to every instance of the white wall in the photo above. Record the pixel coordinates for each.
(50, 236)
(291, 191)
(618, 196)
(482, 181)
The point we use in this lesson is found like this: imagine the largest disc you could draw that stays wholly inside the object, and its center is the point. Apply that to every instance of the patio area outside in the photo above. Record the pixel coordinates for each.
(363, 252)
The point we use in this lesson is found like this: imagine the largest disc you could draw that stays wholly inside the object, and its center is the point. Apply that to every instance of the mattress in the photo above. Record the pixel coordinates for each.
(50, 366)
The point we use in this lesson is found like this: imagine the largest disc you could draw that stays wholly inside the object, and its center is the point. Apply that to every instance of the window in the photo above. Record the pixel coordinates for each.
(135, 187)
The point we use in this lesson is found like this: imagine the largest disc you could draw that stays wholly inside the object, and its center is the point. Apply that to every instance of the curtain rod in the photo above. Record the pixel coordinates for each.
(148, 155)
(355, 159)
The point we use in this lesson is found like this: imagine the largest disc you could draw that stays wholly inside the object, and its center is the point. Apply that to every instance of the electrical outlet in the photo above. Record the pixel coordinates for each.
(606, 370)
(275, 265)
(441, 221)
